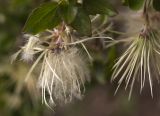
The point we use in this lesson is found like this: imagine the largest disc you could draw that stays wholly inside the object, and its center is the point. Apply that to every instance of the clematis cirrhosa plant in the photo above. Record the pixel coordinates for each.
(140, 62)
(64, 68)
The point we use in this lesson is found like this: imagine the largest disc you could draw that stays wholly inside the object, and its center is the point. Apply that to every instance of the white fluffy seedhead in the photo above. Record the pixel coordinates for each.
(28, 49)
(62, 75)
(64, 69)
(139, 62)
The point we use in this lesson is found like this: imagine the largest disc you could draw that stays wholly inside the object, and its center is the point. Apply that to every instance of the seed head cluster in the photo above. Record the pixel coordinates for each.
(63, 70)
(140, 62)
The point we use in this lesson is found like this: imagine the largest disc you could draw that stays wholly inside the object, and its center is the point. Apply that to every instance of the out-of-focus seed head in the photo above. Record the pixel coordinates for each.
(140, 61)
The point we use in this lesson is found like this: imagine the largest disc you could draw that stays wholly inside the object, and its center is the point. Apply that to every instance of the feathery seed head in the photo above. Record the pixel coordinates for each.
(63, 69)
(140, 61)
(62, 75)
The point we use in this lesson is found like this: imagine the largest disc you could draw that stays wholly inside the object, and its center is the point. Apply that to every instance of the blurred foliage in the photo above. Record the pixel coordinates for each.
(16, 97)
(13, 14)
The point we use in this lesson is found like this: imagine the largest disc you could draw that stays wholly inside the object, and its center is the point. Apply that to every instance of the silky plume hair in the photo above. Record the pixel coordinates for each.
(28, 49)
(63, 67)
(62, 76)
(141, 61)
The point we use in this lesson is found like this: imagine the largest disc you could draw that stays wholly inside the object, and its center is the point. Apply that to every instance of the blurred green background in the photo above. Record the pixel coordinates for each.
(23, 99)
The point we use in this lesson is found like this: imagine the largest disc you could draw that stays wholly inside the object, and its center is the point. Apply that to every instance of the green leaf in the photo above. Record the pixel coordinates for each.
(156, 5)
(82, 23)
(99, 7)
(135, 4)
(68, 12)
(43, 17)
